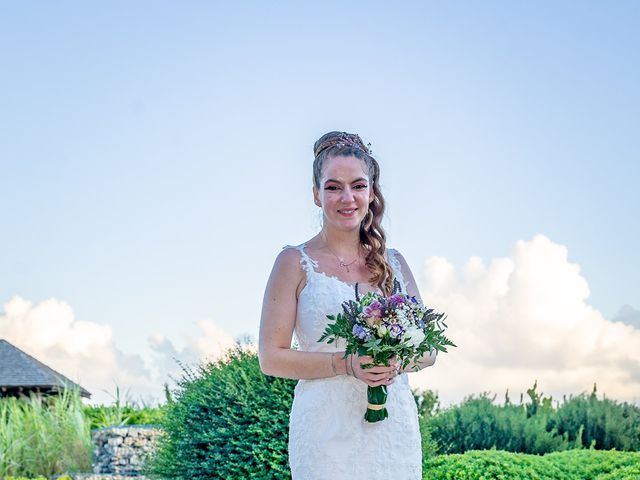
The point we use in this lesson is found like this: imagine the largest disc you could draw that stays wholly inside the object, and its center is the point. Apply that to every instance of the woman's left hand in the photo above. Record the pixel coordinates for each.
(376, 375)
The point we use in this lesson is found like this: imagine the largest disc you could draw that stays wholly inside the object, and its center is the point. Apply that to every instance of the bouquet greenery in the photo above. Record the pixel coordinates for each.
(382, 327)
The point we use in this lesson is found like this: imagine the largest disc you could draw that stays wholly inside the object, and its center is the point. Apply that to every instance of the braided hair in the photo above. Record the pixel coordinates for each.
(372, 236)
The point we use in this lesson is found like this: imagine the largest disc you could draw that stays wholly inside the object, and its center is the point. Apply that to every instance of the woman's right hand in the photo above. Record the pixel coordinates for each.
(374, 376)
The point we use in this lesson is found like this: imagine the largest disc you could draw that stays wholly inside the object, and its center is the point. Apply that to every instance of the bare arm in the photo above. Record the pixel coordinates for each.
(427, 359)
(278, 320)
(276, 331)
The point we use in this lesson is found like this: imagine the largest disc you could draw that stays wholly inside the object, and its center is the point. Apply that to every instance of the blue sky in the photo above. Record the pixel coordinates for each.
(155, 156)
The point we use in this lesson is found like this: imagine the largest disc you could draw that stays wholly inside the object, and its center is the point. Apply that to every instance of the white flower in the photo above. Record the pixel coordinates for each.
(416, 336)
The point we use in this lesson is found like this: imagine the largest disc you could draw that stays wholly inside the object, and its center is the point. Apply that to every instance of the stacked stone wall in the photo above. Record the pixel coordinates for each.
(121, 451)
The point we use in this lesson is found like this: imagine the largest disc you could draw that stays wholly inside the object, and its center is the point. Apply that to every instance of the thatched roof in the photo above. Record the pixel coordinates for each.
(21, 373)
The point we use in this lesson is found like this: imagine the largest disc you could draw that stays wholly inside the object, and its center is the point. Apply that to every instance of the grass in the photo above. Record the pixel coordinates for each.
(44, 436)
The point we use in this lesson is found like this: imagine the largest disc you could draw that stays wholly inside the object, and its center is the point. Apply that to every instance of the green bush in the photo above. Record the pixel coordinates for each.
(228, 420)
(479, 424)
(535, 427)
(568, 465)
(427, 403)
(603, 423)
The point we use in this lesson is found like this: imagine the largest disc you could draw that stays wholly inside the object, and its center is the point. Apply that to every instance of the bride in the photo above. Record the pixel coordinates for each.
(328, 436)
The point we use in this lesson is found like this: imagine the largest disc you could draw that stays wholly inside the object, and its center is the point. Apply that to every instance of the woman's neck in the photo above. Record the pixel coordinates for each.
(341, 243)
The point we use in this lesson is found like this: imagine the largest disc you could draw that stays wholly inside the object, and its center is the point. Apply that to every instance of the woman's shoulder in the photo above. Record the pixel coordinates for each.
(397, 259)
(394, 254)
(391, 251)
(292, 256)
(289, 256)
(287, 268)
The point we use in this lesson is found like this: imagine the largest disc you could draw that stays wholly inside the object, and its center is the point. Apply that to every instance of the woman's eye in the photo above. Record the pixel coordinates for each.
(331, 187)
(360, 187)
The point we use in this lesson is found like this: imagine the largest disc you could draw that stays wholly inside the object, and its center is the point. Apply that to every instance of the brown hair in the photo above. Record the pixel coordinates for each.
(372, 236)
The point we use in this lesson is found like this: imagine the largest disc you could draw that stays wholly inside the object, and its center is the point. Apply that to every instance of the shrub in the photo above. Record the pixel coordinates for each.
(427, 403)
(228, 420)
(536, 427)
(568, 465)
(478, 424)
(603, 423)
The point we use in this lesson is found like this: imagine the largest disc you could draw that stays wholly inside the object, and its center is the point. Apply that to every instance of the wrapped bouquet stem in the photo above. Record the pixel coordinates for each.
(382, 327)
(376, 399)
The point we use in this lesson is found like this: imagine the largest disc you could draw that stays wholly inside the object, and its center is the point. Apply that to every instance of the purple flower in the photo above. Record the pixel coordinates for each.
(374, 310)
(396, 299)
(396, 330)
(359, 331)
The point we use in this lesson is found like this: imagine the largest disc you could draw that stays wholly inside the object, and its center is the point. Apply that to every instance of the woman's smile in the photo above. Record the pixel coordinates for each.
(345, 192)
(349, 212)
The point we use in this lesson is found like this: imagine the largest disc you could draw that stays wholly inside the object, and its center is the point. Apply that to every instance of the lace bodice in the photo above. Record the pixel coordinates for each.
(319, 295)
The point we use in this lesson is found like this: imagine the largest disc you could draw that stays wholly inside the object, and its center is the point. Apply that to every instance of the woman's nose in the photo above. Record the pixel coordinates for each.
(347, 195)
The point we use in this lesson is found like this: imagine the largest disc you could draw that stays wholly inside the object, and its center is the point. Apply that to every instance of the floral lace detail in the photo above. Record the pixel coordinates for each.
(397, 269)
(328, 437)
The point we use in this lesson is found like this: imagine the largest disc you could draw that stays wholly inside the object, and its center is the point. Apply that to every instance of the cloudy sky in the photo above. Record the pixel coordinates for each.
(155, 157)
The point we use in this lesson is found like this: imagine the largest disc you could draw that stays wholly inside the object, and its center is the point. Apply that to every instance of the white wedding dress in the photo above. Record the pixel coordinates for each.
(328, 436)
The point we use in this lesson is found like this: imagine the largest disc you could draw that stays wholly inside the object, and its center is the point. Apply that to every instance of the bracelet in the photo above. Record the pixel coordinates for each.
(333, 364)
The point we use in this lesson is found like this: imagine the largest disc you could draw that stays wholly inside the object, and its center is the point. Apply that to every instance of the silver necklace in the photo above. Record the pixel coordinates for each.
(341, 261)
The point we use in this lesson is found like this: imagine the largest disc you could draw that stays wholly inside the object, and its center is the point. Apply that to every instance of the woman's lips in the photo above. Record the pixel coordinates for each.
(348, 212)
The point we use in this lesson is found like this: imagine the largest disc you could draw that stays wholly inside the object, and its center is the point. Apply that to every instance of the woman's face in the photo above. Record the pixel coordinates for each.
(344, 193)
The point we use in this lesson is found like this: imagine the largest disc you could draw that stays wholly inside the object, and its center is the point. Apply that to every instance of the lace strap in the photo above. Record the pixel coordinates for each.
(397, 268)
(306, 261)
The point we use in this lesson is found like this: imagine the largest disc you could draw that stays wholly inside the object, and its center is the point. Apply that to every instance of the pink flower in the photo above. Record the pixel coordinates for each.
(373, 314)
(396, 299)
(374, 310)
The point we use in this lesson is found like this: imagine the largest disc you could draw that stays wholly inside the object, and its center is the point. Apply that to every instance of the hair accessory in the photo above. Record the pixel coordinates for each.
(344, 139)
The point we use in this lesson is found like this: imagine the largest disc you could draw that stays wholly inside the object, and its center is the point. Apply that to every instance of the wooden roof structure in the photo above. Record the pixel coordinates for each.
(21, 374)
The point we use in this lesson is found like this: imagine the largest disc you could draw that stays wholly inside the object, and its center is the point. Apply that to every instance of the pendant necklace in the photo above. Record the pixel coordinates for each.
(340, 260)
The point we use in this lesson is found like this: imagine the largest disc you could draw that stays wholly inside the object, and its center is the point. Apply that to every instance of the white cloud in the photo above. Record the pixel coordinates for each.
(522, 318)
(86, 352)
(82, 351)
(210, 344)
(518, 319)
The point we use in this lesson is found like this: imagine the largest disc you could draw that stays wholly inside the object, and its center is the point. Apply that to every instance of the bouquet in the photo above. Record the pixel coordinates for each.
(382, 327)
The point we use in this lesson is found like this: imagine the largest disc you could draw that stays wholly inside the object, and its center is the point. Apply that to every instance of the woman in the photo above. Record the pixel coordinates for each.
(328, 437)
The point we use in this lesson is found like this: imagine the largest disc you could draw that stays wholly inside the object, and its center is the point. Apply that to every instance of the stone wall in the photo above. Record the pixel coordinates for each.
(122, 450)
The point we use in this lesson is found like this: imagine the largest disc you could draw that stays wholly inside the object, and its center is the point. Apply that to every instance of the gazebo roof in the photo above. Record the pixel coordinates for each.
(19, 370)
